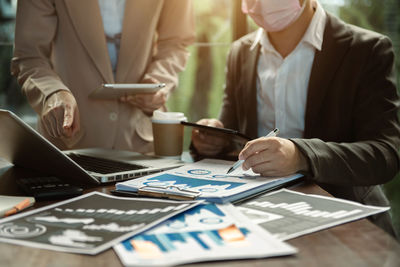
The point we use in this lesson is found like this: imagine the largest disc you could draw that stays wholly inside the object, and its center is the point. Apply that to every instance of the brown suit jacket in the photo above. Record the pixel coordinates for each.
(61, 45)
(352, 135)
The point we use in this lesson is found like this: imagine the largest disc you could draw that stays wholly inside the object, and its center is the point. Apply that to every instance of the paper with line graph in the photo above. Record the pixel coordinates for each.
(88, 224)
(204, 233)
(209, 178)
(288, 214)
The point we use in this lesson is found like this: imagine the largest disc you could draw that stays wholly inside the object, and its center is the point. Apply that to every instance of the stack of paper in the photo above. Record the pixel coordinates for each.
(207, 179)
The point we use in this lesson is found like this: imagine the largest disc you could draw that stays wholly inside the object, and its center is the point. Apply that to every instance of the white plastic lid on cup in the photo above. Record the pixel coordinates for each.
(168, 117)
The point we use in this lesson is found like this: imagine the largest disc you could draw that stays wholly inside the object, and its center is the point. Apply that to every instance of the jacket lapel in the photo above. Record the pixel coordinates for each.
(249, 72)
(135, 29)
(326, 63)
(127, 48)
(86, 18)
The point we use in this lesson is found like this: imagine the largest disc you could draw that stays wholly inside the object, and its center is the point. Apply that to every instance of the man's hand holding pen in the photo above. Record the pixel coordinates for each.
(273, 156)
(268, 155)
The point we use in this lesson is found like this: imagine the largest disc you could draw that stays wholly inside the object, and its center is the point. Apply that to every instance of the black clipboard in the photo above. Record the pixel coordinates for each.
(236, 140)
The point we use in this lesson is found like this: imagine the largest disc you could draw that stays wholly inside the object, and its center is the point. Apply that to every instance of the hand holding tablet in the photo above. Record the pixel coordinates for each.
(216, 142)
(118, 90)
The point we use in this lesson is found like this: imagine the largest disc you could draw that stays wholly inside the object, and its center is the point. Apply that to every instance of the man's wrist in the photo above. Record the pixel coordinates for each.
(303, 162)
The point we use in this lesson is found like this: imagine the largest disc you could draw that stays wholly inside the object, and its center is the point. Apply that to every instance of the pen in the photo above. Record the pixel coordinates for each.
(20, 206)
(274, 132)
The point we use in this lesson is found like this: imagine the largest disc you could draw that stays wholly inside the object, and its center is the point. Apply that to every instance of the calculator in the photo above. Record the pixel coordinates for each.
(48, 188)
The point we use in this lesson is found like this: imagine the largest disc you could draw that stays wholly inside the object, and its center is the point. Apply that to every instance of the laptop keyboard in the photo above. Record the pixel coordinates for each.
(103, 166)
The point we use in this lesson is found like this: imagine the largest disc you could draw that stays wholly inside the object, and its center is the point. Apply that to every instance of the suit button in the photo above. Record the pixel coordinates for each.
(113, 116)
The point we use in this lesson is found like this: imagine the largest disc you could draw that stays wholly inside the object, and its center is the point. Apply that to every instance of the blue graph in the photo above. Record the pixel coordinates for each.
(165, 242)
(197, 211)
(204, 214)
(206, 239)
(185, 182)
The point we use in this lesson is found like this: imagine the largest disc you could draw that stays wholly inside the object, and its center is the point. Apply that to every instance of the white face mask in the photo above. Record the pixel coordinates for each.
(273, 15)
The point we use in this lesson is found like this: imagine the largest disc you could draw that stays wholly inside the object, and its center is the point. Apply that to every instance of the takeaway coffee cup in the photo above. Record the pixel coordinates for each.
(168, 133)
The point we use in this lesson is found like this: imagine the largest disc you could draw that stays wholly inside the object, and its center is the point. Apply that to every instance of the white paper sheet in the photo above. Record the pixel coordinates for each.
(288, 214)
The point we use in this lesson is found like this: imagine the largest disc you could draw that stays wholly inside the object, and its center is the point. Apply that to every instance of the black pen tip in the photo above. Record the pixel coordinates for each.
(229, 171)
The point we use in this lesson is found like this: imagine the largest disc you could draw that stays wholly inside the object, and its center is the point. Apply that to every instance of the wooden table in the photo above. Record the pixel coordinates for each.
(359, 243)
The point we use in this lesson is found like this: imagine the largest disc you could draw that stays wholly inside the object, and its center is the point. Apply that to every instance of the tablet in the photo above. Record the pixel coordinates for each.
(236, 140)
(117, 90)
(223, 132)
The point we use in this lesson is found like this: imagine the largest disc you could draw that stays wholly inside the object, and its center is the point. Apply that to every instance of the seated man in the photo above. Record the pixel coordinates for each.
(329, 87)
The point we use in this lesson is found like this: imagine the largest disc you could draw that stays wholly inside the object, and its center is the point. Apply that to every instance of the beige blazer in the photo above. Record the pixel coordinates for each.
(60, 45)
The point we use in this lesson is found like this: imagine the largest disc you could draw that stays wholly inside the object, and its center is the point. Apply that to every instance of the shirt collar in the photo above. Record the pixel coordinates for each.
(313, 36)
(315, 32)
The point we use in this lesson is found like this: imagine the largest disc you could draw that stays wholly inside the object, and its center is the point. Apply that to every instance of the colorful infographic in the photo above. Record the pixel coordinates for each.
(209, 181)
(206, 232)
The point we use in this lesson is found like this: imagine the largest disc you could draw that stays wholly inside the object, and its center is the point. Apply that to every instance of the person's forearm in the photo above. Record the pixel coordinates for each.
(35, 28)
(349, 164)
(37, 81)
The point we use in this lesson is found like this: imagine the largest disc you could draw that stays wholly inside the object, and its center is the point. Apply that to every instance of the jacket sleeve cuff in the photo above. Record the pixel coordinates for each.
(310, 157)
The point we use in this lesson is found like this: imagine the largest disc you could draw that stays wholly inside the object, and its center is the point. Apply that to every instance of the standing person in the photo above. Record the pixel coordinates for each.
(65, 49)
(330, 89)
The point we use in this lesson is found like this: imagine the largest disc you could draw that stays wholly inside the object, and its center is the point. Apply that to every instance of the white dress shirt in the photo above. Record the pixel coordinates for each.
(112, 13)
(282, 83)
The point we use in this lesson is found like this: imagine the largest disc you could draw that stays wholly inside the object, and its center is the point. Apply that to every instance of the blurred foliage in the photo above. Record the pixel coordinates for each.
(381, 16)
(10, 95)
(197, 96)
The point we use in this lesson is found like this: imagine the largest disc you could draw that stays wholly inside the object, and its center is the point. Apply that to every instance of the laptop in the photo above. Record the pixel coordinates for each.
(21, 145)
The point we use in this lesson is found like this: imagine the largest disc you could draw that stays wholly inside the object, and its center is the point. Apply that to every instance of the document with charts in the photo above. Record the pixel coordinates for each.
(88, 224)
(207, 179)
(207, 232)
(288, 214)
